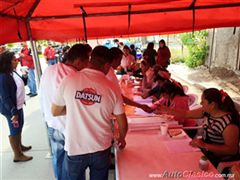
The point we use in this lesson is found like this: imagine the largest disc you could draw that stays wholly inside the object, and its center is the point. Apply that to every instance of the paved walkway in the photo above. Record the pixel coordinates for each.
(34, 133)
(199, 79)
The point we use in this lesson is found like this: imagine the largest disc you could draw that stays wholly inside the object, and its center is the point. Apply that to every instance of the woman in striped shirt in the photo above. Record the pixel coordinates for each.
(220, 140)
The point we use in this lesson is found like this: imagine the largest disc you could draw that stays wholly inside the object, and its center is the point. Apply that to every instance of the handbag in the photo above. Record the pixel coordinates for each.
(24, 78)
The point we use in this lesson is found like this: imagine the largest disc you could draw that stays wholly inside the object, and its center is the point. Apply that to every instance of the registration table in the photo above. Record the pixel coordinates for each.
(150, 155)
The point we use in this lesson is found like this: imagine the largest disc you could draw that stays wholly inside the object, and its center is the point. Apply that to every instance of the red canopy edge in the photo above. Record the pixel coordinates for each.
(63, 20)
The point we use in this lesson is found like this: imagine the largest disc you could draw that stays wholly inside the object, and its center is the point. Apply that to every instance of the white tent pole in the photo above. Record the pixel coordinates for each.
(35, 54)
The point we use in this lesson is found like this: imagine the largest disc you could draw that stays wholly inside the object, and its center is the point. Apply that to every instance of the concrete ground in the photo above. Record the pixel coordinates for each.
(199, 79)
(34, 133)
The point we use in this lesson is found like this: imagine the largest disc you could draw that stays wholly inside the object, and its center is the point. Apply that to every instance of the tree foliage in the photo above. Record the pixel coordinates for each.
(197, 47)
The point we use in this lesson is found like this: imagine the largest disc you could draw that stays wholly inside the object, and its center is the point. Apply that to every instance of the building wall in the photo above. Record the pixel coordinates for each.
(224, 48)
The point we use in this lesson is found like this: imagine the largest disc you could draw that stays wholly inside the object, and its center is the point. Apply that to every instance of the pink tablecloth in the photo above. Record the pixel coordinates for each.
(147, 156)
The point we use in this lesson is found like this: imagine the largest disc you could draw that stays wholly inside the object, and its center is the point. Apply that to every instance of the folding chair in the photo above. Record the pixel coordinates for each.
(193, 98)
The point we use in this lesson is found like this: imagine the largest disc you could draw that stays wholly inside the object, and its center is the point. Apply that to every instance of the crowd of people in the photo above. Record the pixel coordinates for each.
(81, 100)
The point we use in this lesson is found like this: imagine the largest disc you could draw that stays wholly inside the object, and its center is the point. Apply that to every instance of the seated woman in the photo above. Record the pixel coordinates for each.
(127, 60)
(160, 77)
(148, 74)
(173, 96)
(220, 140)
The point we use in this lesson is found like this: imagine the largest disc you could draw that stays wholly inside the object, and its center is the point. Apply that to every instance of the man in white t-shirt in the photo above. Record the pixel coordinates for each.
(89, 100)
(116, 55)
(77, 59)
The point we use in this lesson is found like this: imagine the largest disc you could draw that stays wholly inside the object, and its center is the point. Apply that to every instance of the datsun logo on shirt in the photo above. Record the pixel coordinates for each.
(88, 96)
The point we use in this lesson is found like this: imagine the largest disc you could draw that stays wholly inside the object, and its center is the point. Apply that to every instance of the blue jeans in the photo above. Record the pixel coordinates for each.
(57, 141)
(31, 81)
(15, 130)
(98, 163)
(52, 62)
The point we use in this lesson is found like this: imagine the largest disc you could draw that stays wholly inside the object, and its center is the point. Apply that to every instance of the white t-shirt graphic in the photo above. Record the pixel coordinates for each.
(90, 100)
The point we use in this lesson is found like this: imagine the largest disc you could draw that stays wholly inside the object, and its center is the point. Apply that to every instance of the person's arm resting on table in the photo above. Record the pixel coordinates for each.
(230, 146)
(121, 119)
(196, 113)
(123, 128)
(130, 102)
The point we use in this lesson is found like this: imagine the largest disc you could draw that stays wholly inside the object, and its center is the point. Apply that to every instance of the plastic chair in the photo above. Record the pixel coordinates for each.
(222, 165)
(185, 88)
(193, 98)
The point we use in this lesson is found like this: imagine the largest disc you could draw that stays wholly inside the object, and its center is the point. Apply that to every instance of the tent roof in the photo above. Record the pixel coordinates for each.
(62, 20)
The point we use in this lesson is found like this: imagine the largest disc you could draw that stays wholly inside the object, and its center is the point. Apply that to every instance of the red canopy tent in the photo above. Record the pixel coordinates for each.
(62, 20)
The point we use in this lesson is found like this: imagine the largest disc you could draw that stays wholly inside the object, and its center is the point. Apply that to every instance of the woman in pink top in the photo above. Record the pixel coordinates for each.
(174, 97)
(127, 61)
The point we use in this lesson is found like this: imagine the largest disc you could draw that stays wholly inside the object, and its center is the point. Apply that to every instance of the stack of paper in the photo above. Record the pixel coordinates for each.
(139, 99)
(138, 123)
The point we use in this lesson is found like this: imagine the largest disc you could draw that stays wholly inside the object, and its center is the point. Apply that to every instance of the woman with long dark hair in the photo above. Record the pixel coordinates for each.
(127, 61)
(163, 54)
(220, 140)
(12, 97)
(173, 96)
(150, 54)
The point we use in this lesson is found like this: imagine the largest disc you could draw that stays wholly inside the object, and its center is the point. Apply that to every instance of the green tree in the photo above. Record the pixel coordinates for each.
(197, 47)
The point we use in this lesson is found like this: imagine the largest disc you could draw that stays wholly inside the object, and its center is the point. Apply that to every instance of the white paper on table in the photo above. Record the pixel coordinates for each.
(140, 127)
(139, 99)
(180, 146)
(145, 119)
(149, 123)
(150, 118)
(143, 128)
(143, 113)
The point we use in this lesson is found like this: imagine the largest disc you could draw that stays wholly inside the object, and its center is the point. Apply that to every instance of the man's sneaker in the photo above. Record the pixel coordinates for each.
(32, 95)
(28, 94)
(48, 156)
